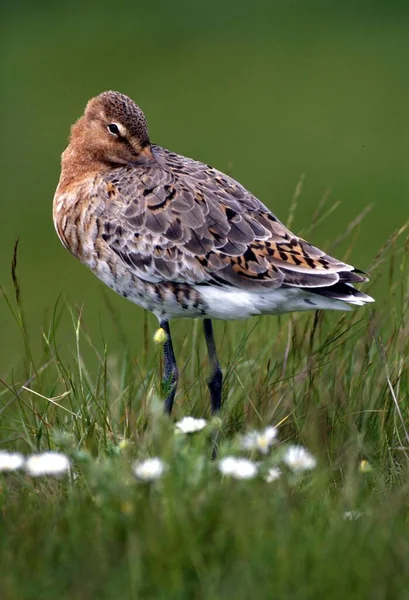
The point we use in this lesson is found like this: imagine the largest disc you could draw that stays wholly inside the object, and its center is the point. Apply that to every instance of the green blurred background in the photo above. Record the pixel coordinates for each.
(267, 90)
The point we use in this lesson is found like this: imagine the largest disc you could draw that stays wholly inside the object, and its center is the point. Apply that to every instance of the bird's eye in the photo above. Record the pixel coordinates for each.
(112, 128)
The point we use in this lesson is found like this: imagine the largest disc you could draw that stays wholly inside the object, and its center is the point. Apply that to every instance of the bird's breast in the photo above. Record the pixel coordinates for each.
(75, 214)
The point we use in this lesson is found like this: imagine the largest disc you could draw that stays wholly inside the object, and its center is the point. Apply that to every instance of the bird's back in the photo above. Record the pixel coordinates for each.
(176, 219)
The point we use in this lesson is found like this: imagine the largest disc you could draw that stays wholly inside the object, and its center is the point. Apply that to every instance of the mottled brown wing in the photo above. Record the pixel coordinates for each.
(179, 220)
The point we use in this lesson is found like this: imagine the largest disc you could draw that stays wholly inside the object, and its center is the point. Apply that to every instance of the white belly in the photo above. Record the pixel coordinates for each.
(239, 304)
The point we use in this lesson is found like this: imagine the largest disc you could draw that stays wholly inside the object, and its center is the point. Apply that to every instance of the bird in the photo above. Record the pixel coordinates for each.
(181, 238)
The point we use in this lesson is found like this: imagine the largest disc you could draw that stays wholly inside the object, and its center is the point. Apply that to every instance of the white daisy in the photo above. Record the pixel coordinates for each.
(273, 474)
(227, 465)
(11, 461)
(149, 469)
(259, 440)
(238, 468)
(47, 463)
(190, 425)
(299, 459)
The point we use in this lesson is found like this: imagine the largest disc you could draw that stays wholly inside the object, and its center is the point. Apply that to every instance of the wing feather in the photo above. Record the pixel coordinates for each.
(179, 220)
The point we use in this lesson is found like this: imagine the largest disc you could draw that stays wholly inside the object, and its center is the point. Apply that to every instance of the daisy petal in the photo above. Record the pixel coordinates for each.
(298, 459)
(11, 461)
(149, 469)
(190, 425)
(47, 463)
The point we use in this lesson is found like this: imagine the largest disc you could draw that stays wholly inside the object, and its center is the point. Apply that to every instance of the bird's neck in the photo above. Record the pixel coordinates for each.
(77, 165)
(79, 162)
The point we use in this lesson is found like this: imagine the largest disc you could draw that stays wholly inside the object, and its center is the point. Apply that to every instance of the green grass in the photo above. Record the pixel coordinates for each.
(336, 383)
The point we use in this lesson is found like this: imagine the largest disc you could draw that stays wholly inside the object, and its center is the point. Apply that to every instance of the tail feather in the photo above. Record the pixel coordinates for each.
(342, 291)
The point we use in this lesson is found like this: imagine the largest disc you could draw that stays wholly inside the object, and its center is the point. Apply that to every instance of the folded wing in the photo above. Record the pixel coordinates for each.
(182, 221)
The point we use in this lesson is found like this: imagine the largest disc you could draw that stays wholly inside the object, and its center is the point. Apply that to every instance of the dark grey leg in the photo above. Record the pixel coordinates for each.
(216, 379)
(171, 373)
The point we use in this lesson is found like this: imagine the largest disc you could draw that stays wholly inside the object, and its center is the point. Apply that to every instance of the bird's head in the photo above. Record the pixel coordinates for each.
(112, 130)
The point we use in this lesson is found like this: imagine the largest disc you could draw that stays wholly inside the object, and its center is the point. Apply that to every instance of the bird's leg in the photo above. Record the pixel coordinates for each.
(216, 379)
(171, 374)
